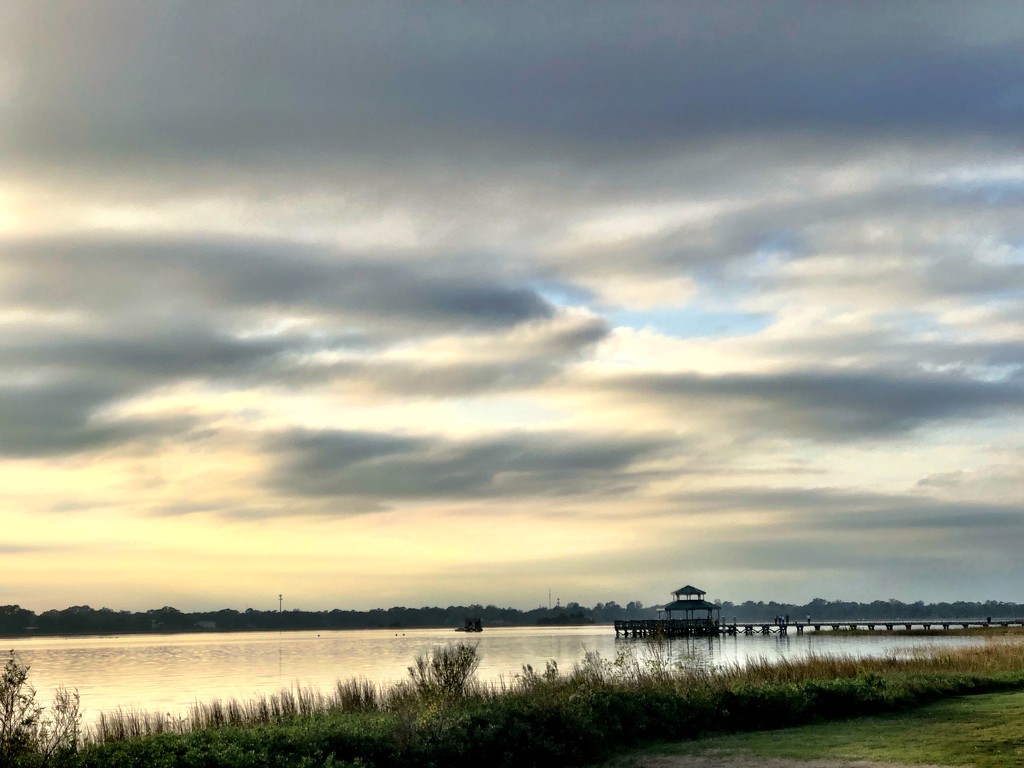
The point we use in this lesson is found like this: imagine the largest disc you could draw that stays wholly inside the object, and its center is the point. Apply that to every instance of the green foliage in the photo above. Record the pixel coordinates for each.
(442, 716)
(447, 673)
(30, 735)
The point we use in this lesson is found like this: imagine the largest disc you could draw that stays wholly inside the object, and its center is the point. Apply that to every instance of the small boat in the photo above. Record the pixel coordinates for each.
(471, 625)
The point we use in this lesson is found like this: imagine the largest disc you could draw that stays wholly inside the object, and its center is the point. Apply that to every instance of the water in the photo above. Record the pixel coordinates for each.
(168, 673)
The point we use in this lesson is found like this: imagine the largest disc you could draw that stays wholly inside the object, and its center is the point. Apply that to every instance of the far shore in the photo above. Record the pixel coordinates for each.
(989, 631)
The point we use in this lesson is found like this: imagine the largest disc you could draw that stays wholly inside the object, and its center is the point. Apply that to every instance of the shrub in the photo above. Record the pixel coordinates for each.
(447, 673)
(29, 735)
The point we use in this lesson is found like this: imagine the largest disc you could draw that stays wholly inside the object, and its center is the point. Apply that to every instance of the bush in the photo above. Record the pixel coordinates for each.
(447, 673)
(31, 737)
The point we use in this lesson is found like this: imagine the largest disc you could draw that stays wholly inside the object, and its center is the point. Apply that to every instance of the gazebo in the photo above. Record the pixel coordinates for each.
(693, 615)
(695, 611)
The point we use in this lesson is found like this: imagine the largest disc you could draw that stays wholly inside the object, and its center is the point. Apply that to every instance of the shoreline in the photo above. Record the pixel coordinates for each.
(994, 631)
(288, 630)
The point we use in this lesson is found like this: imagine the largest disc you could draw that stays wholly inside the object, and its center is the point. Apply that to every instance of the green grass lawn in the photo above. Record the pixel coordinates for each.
(984, 731)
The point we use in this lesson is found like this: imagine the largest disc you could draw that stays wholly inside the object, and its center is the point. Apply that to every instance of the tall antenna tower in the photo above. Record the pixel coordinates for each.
(280, 602)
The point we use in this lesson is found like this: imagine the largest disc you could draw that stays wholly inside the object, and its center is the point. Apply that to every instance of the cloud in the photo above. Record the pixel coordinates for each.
(28, 549)
(130, 362)
(876, 235)
(467, 365)
(46, 420)
(262, 81)
(826, 406)
(151, 278)
(97, 322)
(388, 468)
(827, 511)
(63, 386)
(144, 359)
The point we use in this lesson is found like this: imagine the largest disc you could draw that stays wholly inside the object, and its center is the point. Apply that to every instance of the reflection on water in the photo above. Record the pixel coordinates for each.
(167, 673)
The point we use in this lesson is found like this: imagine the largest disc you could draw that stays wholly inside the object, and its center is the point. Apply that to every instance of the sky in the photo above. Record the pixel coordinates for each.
(373, 303)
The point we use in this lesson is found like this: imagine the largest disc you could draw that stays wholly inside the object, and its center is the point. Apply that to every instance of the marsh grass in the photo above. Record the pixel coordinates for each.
(446, 676)
(349, 696)
(125, 724)
(995, 630)
(442, 715)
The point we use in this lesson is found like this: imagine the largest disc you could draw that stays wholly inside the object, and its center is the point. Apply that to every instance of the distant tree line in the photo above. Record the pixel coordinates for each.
(83, 620)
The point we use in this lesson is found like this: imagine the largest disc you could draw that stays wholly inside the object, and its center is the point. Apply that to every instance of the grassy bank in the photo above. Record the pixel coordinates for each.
(984, 731)
(441, 716)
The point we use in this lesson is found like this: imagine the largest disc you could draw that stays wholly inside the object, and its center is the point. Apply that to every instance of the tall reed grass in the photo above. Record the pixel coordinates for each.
(348, 696)
(446, 678)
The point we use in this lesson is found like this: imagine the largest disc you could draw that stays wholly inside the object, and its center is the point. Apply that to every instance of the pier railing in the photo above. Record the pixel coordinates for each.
(667, 627)
(690, 627)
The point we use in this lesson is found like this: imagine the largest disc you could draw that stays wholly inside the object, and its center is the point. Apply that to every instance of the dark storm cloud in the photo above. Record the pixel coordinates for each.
(150, 276)
(829, 406)
(387, 467)
(264, 80)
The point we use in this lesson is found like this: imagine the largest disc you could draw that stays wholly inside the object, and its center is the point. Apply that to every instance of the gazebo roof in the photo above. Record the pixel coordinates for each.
(691, 605)
(689, 590)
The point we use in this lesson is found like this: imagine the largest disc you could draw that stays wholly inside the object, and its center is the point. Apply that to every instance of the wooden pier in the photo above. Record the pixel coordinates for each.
(711, 628)
(668, 628)
(703, 619)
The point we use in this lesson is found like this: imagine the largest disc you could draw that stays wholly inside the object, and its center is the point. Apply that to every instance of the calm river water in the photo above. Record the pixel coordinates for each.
(167, 673)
